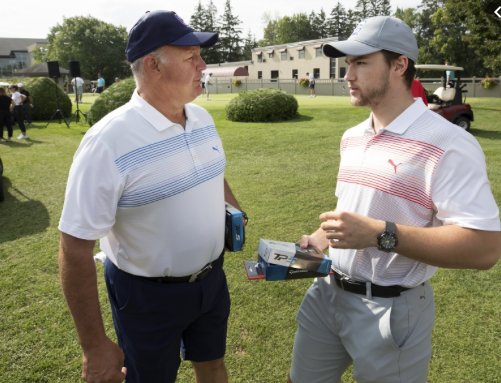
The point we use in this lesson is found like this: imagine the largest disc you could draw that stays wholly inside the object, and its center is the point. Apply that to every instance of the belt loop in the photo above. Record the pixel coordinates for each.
(368, 290)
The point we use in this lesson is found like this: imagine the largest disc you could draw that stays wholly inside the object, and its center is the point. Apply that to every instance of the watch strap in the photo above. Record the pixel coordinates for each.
(391, 227)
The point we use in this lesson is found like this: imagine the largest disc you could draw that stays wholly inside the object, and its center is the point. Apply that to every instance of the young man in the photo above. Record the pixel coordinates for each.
(311, 78)
(207, 85)
(413, 195)
(146, 180)
(451, 79)
(203, 84)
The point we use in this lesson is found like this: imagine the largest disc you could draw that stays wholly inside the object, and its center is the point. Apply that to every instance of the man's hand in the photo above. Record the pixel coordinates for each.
(104, 364)
(350, 230)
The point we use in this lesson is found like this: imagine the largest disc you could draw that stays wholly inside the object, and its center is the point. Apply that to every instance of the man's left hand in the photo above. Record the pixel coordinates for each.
(350, 230)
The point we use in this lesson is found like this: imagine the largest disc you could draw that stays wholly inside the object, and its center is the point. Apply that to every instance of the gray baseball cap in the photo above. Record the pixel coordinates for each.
(375, 34)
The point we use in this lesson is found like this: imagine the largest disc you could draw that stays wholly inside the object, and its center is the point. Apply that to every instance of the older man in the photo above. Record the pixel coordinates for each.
(148, 179)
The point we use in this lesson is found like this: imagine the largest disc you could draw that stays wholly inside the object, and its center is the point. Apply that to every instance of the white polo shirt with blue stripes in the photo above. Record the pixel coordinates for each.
(152, 191)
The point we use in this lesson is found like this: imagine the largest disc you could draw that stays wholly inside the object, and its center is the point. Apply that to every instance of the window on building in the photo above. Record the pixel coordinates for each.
(260, 58)
(332, 68)
(301, 54)
(284, 55)
(318, 52)
(294, 73)
(342, 73)
(259, 74)
(270, 55)
(316, 72)
(274, 74)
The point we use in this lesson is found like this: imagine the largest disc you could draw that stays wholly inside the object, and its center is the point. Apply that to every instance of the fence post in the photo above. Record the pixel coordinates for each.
(295, 86)
(231, 85)
(261, 83)
(332, 86)
(217, 90)
(474, 86)
(246, 83)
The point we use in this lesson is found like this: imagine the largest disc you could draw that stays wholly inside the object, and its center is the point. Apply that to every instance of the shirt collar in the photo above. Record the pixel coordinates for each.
(157, 119)
(400, 124)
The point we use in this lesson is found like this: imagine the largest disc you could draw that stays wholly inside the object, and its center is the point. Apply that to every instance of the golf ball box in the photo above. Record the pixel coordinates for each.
(292, 256)
(234, 231)
(262, 270)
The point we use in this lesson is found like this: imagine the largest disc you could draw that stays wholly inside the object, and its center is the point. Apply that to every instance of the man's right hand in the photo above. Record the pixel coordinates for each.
(104, 364)
(316, 240)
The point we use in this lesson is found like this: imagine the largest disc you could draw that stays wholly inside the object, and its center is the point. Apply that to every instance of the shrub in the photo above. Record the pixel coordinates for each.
(237, 82)
(112, 98)
(43, 92)
(304, 82)
(488, 82)
(262, 105)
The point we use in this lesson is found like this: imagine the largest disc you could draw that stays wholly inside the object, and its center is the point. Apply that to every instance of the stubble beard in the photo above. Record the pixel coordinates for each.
(373, 96)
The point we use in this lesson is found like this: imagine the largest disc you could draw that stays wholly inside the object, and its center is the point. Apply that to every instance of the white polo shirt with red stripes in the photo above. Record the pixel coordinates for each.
(421, 171)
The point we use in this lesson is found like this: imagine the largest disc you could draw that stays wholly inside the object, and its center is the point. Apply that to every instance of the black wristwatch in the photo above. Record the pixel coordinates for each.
(387, 240)
(245, 216)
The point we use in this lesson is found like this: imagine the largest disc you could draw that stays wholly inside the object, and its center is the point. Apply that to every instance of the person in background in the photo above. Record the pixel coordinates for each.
(451, 79)
(311, 78)
(203, 84)
(117, 79)
(207, 85)
(27, 103)
(78, 83)
(100, 83)
(417, 90)
(18, 99)
(6, 105)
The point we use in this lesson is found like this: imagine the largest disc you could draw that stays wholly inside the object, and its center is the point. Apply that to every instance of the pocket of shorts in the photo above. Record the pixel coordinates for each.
(123, 287)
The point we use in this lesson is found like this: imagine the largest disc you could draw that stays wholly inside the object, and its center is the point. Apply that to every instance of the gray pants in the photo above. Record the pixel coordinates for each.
(387, 339)
(27, 112)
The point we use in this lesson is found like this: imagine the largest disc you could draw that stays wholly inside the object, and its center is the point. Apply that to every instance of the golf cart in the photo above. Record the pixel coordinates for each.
(448, 101)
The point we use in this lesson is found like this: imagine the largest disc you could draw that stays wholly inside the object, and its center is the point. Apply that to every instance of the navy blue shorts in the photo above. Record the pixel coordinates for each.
(99, 89)
(154, 321)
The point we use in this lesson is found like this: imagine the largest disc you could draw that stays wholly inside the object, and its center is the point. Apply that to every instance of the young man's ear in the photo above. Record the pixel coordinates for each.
(400, 65)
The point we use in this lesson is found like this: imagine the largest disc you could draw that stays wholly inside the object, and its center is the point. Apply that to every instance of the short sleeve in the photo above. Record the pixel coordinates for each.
(92, 193)
(461, 192)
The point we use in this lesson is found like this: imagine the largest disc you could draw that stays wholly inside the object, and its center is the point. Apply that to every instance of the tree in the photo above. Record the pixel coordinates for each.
(211, 55)
(230, 35)
(408, 15)
(483, 29)
(319, 25)
(362, 9)
(249, 43)
(352, 20)
(98, 46)
(197, 19)
(379, 8)
(337, 21)
(294, 29)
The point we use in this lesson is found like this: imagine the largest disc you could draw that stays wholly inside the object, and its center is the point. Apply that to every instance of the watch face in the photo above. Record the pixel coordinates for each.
(388, 242)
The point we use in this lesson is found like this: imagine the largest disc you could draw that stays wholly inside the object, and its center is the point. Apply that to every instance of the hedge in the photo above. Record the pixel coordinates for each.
(262, 105)
(42, 90)
(112, 98)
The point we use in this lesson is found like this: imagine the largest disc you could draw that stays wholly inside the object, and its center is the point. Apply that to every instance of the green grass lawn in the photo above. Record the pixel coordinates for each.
(284, 176)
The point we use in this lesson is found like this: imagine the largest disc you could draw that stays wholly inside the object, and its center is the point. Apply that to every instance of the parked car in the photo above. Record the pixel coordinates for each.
(448, 101)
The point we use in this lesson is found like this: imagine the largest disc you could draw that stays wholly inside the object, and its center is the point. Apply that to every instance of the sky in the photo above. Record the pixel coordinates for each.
(36, 17)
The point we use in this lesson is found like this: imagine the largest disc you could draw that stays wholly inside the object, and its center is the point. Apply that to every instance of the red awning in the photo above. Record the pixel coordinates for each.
(259, 53)
(228, 71)
(283, 50)
(300, 48)
(270, 51)
(318, 46)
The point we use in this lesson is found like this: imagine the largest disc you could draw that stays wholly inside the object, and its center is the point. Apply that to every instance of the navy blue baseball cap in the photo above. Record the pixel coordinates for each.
(158, 28)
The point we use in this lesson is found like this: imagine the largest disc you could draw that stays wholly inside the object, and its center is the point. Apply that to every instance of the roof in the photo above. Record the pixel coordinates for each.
(9, 44)
(438, 67)
(231, 71)
(40, 69)
(298, 43)
(232, 63)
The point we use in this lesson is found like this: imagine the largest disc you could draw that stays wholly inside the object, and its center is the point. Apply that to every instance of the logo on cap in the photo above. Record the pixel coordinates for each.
(359, 27)
(180, 20)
